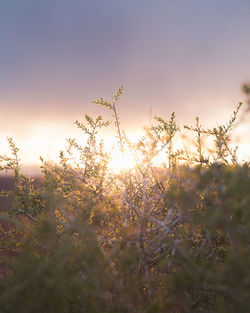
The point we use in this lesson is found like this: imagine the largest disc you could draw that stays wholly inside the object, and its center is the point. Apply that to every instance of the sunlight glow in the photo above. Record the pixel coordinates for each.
(243, 152)
(121, 161)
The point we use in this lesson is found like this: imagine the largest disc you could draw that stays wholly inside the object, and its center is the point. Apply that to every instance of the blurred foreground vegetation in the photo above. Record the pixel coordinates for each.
(174, 238)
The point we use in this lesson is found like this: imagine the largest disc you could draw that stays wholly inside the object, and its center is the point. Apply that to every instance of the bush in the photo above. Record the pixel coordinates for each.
(149, 239)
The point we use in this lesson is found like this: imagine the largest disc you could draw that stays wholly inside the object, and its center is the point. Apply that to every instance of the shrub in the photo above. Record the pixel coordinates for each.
(149, 239)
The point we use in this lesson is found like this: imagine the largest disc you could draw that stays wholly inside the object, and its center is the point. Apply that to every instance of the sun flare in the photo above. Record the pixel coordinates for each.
(121, 161)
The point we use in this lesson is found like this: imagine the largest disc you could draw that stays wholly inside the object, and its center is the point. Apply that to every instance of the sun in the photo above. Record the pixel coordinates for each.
(121, 161)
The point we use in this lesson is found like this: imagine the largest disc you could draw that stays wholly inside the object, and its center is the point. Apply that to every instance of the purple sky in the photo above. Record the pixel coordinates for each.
(190, 57)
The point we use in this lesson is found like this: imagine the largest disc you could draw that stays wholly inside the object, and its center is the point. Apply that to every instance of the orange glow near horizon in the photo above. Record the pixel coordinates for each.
(48, 141)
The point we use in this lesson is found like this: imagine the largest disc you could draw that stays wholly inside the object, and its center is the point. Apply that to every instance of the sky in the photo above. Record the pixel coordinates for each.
(56, 56)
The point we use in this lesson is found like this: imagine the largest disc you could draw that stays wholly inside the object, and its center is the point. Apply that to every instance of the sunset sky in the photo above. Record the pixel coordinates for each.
(56, 56)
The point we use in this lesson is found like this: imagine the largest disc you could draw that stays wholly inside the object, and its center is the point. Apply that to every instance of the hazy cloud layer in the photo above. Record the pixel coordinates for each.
(183, 56)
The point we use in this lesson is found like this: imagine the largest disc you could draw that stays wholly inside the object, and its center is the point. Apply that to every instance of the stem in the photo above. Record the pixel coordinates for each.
(118, 126)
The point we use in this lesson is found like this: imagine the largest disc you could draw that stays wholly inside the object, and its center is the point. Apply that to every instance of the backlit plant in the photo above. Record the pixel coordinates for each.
(169, 238)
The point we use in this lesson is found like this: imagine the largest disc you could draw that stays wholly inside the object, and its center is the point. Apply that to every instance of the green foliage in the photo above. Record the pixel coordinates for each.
(149, 239)
(112, 107)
